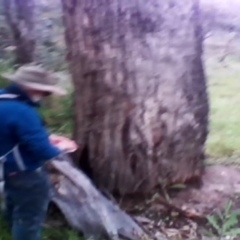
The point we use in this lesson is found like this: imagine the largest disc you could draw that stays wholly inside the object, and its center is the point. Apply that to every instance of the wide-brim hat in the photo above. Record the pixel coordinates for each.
(37, 78)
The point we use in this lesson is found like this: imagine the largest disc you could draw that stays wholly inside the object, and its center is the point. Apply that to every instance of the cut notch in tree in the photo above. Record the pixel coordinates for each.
(141, 106)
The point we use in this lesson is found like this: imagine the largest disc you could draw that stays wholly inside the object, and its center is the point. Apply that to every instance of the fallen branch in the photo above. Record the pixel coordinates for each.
(87, 210)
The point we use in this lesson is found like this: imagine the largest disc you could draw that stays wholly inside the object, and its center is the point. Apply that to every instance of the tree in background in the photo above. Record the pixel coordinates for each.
(5, 35)
(20, 17)
(50, 46)
(141, 107)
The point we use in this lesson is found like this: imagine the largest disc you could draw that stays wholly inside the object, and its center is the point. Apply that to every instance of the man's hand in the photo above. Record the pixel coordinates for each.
(63, 143)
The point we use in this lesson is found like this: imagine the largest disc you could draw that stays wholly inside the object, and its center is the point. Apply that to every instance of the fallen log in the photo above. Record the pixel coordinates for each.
(86, 209)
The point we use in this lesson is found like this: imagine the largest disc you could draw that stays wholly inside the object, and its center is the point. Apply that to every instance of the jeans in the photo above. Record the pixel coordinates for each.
(27, 196)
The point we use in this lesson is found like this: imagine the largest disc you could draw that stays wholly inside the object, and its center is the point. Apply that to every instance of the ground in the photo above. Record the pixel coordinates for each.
(224, 137)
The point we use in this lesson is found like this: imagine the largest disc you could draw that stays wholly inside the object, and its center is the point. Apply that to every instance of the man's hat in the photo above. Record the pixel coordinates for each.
(37, 78)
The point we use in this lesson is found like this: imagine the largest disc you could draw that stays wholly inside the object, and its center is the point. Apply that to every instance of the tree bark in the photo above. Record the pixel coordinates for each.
(20, 17)
(141, 107)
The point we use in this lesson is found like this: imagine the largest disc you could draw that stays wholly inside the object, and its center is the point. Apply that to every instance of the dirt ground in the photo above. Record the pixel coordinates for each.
(182, 213)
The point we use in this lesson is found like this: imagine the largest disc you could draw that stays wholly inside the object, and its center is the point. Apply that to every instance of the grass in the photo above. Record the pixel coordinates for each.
(48, 233)
(4, 234)
(58, 115)
(4, 67)
(224, 89)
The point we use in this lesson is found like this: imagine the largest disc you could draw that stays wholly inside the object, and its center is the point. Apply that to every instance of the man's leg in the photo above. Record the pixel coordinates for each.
(31, 198)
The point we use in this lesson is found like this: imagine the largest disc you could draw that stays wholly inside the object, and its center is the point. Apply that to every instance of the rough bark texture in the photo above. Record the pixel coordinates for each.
(141, 107)
(20, 17)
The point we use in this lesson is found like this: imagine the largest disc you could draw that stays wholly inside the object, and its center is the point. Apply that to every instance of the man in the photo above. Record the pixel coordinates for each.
(24, 147)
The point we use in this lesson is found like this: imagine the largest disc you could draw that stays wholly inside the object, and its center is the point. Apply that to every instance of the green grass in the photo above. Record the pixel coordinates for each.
(4, 234)
(224, 92)
(59, 117)
(48, 233)
(4, 68)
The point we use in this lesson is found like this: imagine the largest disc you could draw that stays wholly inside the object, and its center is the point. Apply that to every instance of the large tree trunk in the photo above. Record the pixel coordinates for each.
(141, 107)
(20, 17)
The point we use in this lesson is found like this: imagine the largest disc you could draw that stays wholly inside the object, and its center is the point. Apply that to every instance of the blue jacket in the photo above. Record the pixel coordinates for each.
(24, 143)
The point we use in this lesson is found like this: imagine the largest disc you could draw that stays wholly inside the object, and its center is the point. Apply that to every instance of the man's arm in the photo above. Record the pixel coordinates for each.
(33, 135)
